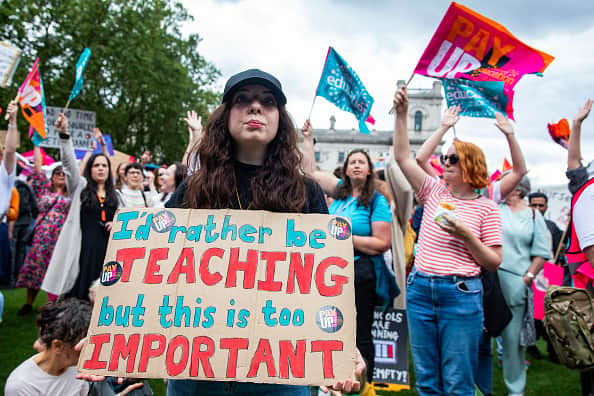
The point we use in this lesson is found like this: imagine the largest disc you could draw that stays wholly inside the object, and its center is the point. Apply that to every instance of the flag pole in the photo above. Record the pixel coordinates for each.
(393, 109)
(312, 106)
(66, 107)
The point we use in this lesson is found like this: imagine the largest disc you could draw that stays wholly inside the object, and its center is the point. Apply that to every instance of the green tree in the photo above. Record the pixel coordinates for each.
(143, 73)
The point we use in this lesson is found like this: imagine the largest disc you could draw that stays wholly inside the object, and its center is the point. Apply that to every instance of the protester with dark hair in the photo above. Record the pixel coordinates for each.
(132, 194)
(80, 250)
(53, 199)
(460, 235)
(249, 160)
(525, 248)
(355, 197)
(173, 177)
(120, 178)
(539, 201)
(62, 324)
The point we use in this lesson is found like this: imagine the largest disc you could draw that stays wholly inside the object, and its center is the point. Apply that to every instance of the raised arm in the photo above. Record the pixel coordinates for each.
(37, 161)
(194, 122)
(85, 159)
(409, 166)
(12, 137)
(67, 154)
(574, 154)
(511, 181)
(449, 119)
(327, 181)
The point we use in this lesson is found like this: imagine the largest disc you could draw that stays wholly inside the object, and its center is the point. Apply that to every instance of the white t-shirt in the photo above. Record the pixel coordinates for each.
(583, 217)
(6, 185)
(28, 379)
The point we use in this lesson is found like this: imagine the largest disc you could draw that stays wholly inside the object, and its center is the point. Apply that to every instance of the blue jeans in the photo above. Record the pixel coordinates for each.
(221, 388)
(445, 322)
(484, 375)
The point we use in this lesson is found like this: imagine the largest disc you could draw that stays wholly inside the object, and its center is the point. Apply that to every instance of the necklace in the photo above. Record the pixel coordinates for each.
(101, 201)
(239, 200)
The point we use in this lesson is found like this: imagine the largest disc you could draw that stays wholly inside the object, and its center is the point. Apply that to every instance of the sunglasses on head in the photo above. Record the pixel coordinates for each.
(453, 158)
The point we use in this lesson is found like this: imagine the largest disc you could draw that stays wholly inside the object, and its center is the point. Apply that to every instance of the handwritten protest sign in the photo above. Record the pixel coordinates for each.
(225, 295)
(390, 339)
(9, 60)
(80, 126)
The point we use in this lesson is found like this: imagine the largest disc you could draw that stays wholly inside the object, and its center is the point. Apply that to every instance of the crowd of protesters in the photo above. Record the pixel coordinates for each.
(247, 157)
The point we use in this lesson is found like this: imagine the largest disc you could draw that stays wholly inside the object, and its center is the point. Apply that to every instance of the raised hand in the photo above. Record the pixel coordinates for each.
(99, 136)
(583, 112)
(401, 101)
(307, 130)
(450, 117)
(194, 122)
(504, 124)
(62, 124)
(12, 111)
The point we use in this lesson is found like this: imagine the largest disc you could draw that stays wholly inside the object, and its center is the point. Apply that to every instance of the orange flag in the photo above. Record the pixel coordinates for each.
(506, 165)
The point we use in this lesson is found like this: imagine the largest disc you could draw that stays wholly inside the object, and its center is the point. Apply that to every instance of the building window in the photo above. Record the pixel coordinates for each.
(317, 155)
(341, 157)
(418, 121)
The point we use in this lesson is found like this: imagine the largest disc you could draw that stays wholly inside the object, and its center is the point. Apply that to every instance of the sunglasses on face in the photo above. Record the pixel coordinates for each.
(453, 158)
(58, 172)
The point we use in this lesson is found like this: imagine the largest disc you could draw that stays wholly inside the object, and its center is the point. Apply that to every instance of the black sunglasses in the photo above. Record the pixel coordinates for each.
(453, 158)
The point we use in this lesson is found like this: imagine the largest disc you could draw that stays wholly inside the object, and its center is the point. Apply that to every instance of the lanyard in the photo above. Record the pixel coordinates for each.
(344, 206)
(101, 201)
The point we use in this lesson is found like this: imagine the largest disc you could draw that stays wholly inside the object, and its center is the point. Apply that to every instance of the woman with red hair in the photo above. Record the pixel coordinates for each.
(460, 235)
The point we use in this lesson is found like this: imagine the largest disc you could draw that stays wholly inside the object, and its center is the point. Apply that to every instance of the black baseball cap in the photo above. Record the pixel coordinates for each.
(254, 76)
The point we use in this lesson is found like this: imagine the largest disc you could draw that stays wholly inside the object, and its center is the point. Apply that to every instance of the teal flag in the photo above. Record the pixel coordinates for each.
(479, 98)
(80, 68)
(341, 86)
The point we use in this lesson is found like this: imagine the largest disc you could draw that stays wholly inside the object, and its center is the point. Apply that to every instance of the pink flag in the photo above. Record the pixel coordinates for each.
(467, 45)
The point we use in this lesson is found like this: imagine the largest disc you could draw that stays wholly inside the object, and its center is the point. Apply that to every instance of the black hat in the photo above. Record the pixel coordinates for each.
(254, 76)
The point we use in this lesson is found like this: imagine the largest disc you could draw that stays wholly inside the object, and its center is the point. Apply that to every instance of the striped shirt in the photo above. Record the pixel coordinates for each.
(440, 253)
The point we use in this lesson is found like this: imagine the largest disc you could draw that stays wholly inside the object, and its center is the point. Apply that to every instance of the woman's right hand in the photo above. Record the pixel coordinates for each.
(307, 130)
(450, 117)
(62, 124)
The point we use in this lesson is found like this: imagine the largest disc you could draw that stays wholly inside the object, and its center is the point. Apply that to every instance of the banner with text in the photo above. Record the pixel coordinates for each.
(390, 338)
(225, 295)
(478, 98)
(468, 45)
(80, 126)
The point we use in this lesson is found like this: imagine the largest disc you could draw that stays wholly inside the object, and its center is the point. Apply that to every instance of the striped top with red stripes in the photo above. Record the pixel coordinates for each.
(440, 253)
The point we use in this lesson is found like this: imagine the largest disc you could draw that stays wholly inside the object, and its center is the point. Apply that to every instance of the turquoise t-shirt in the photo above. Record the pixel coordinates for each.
(361, 217)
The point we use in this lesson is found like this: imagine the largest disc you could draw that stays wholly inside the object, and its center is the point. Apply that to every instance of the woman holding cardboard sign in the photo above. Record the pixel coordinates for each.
(460, 234)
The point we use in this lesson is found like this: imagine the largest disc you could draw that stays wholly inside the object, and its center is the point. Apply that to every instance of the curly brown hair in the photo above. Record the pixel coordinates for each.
(346, 188)
(279, 186)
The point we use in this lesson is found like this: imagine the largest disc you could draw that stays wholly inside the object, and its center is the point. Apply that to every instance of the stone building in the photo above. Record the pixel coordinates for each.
(424, 116)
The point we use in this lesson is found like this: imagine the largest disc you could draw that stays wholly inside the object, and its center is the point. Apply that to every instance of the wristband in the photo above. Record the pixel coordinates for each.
(64, 136)
(10, 125)
(529, 274)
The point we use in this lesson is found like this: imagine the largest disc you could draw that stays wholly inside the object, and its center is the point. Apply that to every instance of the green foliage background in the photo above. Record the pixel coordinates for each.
(143, 75)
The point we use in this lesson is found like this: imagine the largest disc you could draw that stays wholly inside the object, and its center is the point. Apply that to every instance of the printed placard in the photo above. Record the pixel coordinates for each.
(390, 339)
(80, 126)
(9, 60)
(225, 295)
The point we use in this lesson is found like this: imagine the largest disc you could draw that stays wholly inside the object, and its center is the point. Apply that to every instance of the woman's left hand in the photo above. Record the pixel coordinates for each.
(527, 280)
(504, 124)
(455, 227)
(349, 385)
(108, 226)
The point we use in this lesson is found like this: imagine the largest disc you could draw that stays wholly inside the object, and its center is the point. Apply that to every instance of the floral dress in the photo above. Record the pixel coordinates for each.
(53, 209)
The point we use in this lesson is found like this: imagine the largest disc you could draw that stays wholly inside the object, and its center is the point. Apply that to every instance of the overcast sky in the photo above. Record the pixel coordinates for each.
(383, 39)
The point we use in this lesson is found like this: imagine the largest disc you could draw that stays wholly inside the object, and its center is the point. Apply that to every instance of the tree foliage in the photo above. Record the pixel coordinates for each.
(143, 75)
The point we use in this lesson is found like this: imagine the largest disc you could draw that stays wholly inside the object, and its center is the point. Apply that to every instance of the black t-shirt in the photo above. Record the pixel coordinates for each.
(244, 174)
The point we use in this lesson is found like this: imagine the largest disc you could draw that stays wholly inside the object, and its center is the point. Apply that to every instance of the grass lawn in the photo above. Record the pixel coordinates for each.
(17, 334)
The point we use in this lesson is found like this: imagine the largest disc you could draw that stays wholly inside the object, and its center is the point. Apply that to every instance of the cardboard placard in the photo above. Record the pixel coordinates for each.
(80, 126)
(225, 295)
(9, 60)
(390, 338)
